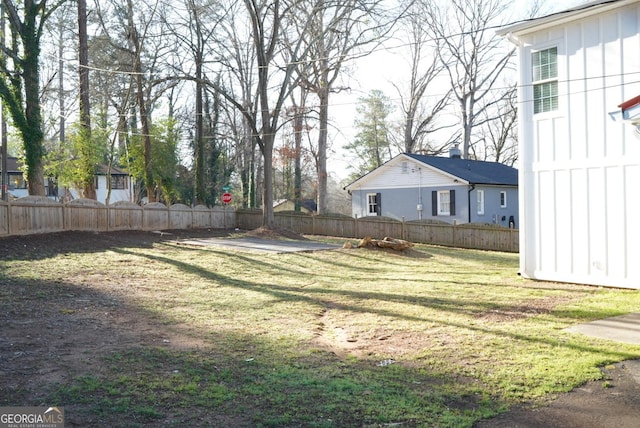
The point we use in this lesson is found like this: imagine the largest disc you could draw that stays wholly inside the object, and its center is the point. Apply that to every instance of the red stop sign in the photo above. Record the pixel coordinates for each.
(226, 197)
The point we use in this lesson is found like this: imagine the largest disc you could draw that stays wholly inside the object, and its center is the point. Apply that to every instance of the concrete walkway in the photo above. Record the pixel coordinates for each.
(624, 328)
(261, 245)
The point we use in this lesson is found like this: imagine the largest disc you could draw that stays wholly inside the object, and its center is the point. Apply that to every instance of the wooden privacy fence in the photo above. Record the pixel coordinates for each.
(38, 214)
(477, 236)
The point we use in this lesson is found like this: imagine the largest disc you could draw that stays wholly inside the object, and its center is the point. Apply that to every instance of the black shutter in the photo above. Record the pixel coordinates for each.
(379, 203)
(452, 202)
(434, 203)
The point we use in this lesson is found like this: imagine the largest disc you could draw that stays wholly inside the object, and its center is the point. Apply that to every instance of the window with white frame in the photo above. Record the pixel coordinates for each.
(444, 202)
(373, 203)
(118, 182)
(405, 167)
(544, 64)
(480, 201)
(503, 199)
(17, 182)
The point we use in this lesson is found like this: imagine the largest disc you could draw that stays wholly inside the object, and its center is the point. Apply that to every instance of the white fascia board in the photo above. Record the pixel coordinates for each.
(632, 113)
(361, 183)
(515, 31)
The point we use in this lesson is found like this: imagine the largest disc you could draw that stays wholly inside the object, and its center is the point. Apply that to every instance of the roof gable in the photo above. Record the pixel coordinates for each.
(448, 170)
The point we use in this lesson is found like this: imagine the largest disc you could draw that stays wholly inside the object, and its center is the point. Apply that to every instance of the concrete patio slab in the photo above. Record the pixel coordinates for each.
(623, 328)
(261, 245)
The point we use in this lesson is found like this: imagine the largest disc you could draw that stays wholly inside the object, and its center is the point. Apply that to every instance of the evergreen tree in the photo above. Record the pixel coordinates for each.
(371, 145)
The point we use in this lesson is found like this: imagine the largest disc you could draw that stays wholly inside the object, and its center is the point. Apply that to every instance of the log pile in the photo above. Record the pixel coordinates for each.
(394, 244)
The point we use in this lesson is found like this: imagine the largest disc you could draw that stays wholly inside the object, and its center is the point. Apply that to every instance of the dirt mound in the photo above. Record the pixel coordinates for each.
(275, 233)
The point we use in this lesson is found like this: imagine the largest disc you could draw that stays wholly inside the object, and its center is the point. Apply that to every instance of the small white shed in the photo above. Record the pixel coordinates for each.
(579, 168)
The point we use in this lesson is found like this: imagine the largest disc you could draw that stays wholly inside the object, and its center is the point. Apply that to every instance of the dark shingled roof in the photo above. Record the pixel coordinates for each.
(475, 172)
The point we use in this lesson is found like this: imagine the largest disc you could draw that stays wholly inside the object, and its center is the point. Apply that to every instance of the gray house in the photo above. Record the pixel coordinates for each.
(451, 189)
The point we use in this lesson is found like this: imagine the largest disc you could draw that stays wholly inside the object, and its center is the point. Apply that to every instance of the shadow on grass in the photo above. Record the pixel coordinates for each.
(233, 379)
(40, 246)
(318, 296)
(107, 367)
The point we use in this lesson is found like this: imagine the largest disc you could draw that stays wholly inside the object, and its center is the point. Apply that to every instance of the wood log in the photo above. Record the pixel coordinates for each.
(394, 244)
(365, 242)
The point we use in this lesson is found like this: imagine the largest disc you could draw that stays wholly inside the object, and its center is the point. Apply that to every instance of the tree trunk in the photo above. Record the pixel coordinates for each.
(199, 140)
(32, 133)
(89, 188)
(61, 92)
(4, 176)
(268, 219)
(142, 107)
(297, 173)
(323, 96)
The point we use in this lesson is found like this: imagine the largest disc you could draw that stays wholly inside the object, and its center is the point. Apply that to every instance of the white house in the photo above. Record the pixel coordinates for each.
(121, 185)
(579, 168)
(449, 189)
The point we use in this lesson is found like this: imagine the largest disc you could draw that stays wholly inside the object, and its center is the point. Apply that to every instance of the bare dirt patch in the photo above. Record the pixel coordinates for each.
(276, 233)
(52, 334)
(519, 311)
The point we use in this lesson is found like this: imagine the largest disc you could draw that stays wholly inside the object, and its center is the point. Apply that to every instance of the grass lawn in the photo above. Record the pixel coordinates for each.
(435, 337)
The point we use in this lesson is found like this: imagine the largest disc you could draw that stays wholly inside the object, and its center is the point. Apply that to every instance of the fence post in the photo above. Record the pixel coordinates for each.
(402, 230)
(9, 216)
(453, 231)
(355, 226)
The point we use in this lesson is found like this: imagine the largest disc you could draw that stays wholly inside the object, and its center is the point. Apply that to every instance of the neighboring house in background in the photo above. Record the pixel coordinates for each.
(579, 169)
(307, 206)
(451, 189)
(16, 184)
(121, 189)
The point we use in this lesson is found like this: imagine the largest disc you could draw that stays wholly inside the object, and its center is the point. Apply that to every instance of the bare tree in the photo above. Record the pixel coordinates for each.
(472, 54)
(238, 64)
(336, 32)
(138, 42)
(273, 78)
(194, 32)
(498, 137)
(135, 47)
(422, 100)
(298, 115)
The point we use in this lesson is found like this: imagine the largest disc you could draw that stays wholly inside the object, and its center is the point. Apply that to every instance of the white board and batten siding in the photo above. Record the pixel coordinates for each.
(579, 169)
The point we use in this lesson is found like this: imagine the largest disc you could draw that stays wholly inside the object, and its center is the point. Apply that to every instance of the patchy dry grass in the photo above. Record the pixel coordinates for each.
(161, 334)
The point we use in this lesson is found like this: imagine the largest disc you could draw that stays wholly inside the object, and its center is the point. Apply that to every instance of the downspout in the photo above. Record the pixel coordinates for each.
(471, 188)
